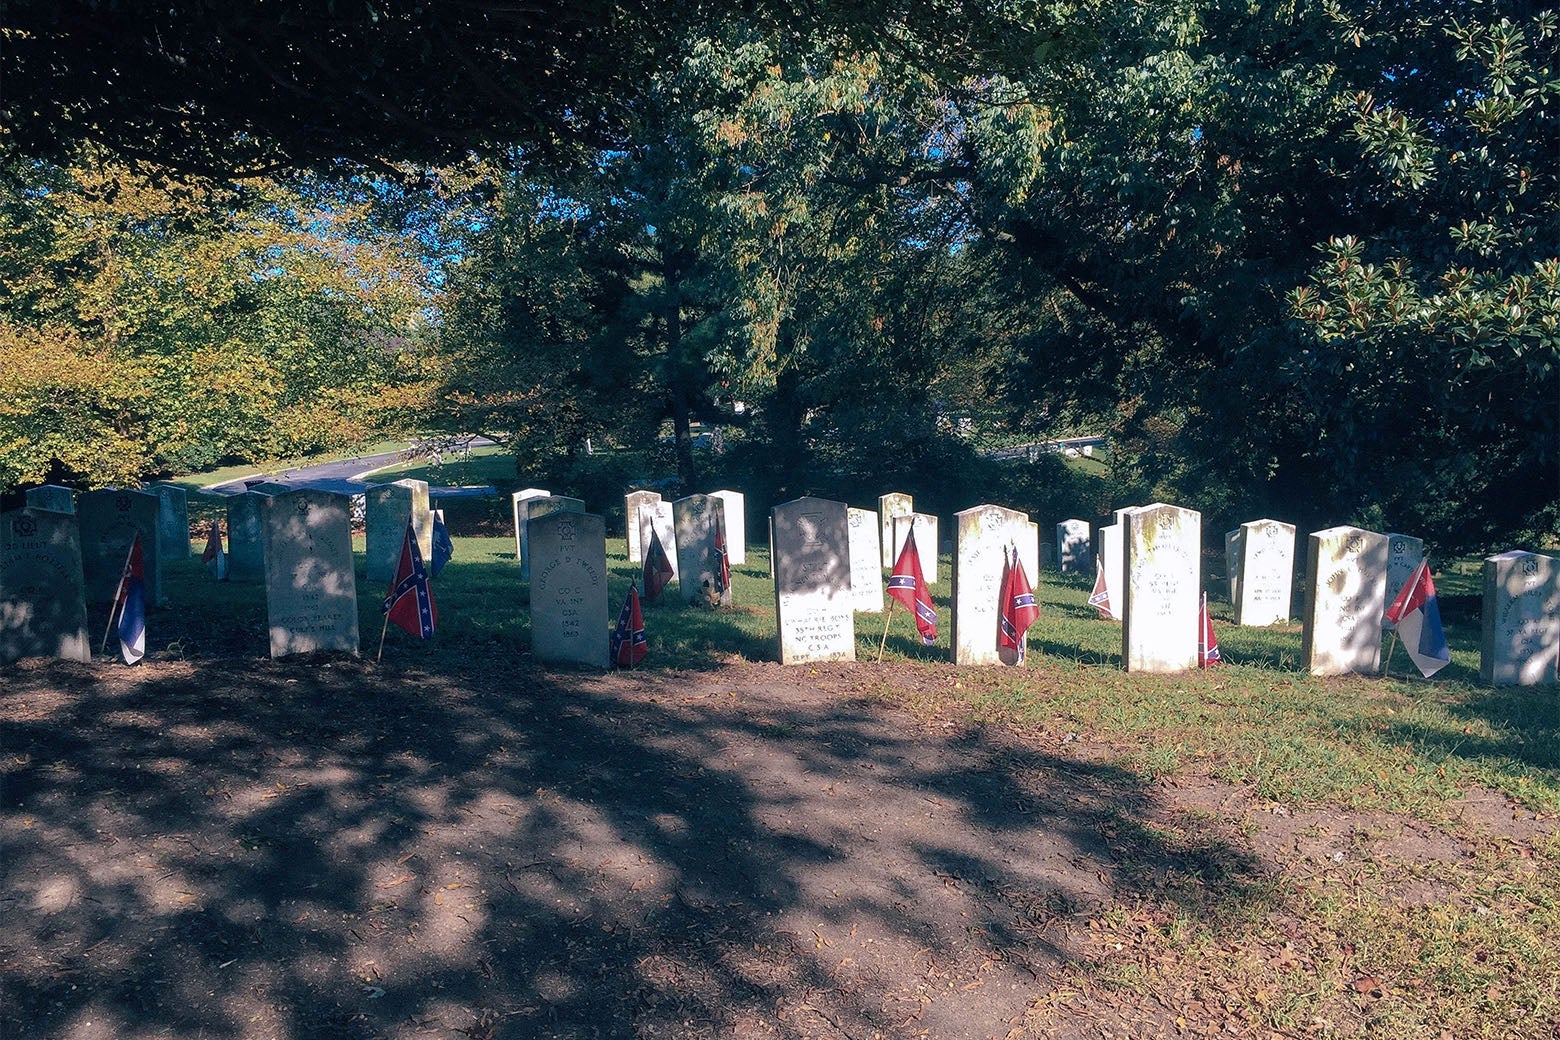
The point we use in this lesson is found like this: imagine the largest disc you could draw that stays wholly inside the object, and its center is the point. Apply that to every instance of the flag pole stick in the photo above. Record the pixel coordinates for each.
(115, 607)
(888, 617)
(1391, 649)
(382, 632)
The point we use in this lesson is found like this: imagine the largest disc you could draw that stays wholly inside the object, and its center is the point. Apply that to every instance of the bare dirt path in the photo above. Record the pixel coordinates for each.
(313, 849)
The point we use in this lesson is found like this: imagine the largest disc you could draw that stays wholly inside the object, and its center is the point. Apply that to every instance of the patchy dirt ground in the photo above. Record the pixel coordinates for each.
(323, 849)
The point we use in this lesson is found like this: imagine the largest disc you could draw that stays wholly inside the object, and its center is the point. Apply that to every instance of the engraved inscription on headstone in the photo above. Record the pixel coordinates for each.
(246, 536)
(657, 517)
(173, 521)
(895, 503)
(1163, 560)
(569, 588)
(310, 580)
(866, 555)
(52, 496)
(386, 509)
(1267, 568)
(982, 535)
(813, 581)
(535, 508)
(1072, 547)
(1403, 555)
(698, 565)
(1345, 595)
(631, 505)
(43, 607)
(1520, 638)
(925, 541)
(109, 521)
(736, 524)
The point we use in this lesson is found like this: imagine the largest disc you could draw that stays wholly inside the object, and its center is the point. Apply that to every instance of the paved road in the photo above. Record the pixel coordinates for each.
(345, 477)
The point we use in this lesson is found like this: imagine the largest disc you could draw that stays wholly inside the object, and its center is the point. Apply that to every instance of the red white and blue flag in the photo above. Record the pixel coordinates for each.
(1019, 609)
(1207, 643)
(628, 646)
(657, 571)
(1418, 619)
(443, 545)
(724, 571)
(213, 556)
(1099, 599)
(908, 586)
(409, 603)
(131, 604)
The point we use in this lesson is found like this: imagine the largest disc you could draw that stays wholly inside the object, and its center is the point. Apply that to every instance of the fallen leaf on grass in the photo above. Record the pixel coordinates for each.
(1370, 986)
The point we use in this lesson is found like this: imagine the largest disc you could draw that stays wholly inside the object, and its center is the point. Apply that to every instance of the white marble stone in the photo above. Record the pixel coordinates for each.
(926, 543)
(696, 519)
(895, 503)
(246, 536)
(1113, 562)
(533, 508)
(569, 621)
(1267, 570)
(52, 496)
(632, 502)
(1073, 555)
(1232, 560)
(517, 505)
(657, 517)
(43, 605)
(310, 579)
(1346, 592)
(1404, 552)
(1163, 549)
(982, 535)
(386, 510)
(813, 603)
(1520, 638)
(866, 571)
(110, 520)
(173, 521)
(736, 524)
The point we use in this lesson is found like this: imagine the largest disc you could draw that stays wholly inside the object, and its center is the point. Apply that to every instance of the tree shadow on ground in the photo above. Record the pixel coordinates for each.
(316, 848)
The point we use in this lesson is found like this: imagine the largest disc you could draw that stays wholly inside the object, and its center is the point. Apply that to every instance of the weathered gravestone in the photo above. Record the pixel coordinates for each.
(310, 580)
(982, 536)
(517, 503)
(246, 536)
(813, 607)
(1113, 565)
(1520, 642)
(535, 509)
(386, 510)
(736, 524)
(1232, 560)
(1163, 549)
(1072, 547)
(568, 553)
(866, 570)
(895, 503)
(1403, 555)
(110, 520)
(43, 606)
(925, 541)
(173, 521)
(52, 496)
(1267, 570)
(698, 518)
(632, 502)
(1344, 599)
(657, 517)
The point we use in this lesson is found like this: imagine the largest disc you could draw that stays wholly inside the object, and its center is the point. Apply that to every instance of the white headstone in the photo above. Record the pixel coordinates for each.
(1113, 565)
(1345, 595)
(982, 535)
(52, 496)
(1072, 548)
(539, 507)
(173, 521)
(925, 541)
(310, 580)
(1520, 642)
(386, 510)
(43, 606)
(1163, 546)
(813, 603)
(631, 506)
(1403, 555)
(1232, 560)
(516, 502)
(657, 517)
(569, 588)
(110, 520)
(866, 571)
(736, 524)
(895, 503)
(697, 519)
(246, 536)
(1267, 570)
